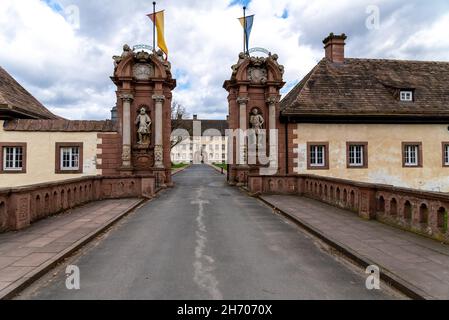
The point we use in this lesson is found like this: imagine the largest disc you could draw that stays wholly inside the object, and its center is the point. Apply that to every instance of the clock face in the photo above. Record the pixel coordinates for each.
(143, 71)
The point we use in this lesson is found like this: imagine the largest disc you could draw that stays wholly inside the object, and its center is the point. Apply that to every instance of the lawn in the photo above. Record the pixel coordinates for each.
(220, 165)
(178, 165)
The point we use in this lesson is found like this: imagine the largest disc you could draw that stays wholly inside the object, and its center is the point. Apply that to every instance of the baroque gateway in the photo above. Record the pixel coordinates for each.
(356, 139)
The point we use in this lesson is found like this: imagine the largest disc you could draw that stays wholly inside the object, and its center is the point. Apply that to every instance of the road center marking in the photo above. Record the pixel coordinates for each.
(204, 264)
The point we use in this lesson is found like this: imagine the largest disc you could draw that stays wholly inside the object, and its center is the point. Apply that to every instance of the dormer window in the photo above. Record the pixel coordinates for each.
(406, 95)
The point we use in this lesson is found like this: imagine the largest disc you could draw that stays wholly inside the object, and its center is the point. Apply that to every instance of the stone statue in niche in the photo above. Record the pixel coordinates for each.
(144, 123)
(256, 121)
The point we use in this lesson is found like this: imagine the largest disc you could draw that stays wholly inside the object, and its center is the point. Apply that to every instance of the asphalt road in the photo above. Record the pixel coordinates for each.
(206, 240)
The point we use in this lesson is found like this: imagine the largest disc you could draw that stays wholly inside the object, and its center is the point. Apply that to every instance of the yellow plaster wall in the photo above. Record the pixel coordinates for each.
(41, 156)
(384, 153)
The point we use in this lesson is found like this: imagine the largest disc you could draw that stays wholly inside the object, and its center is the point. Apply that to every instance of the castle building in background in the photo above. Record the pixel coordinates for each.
(206, 143)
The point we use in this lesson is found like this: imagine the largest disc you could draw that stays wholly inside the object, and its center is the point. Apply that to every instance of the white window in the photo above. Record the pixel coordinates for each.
(70, 157)
(12, 158)
(406, 95)
(356, 155)
(411, 155)
(317, 156)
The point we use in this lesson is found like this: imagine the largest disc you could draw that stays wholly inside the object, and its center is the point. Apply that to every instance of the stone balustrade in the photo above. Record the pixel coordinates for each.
(19, 207)
(418, 211)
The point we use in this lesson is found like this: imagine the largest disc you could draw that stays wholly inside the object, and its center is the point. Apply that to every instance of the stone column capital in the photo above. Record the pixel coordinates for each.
(127, 97)
(158, 98)
(272, 100)
(242, 100)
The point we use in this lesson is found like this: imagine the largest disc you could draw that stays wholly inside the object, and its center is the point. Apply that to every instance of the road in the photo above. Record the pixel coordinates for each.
(206, 240)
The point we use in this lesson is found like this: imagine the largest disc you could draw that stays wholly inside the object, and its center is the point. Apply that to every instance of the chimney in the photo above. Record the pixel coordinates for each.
(195, 117)
(334, 46)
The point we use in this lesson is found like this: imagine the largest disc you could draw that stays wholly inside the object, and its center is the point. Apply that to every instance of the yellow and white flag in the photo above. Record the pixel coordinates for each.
(158, 20)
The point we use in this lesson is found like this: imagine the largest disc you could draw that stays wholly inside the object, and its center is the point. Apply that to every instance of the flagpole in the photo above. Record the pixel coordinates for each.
(244, 30)
(154, 26)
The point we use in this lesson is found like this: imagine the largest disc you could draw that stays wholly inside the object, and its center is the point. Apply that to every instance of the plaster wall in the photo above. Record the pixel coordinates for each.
(40, 156)
(384, 153)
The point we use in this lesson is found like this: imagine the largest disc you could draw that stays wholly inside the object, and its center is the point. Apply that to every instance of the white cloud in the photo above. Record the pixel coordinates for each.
(69, 69)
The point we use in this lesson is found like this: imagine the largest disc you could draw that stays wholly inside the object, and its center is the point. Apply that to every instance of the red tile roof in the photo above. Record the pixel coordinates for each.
(370, 87)
(60, 125)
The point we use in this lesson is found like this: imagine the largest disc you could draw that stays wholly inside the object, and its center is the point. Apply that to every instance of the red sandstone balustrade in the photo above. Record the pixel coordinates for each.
(413, 210)
(19, 207)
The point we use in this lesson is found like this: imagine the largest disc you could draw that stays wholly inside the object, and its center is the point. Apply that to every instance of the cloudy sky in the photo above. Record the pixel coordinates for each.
(66, 62)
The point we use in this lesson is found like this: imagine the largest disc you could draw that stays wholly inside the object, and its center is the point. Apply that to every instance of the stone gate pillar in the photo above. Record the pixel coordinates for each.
(254, 105)
(144, 93)
(159, 141)
(126, 135)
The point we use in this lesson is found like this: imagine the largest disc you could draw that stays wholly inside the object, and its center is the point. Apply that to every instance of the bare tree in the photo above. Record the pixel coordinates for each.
(178, 114)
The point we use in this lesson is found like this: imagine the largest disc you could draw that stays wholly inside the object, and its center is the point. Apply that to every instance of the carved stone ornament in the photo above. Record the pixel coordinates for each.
(275, 58)
(158, 98)
(158, 154)
(257, 71)
(236, 67)
(127, 97)
(127, 51)
(126, 154)
(242, 100)
(142, 56)
(143, 71)
(272, 100)
(166, 63)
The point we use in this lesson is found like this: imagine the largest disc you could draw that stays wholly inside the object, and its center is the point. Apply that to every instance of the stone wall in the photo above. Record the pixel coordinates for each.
(418, 211)
(19, 207)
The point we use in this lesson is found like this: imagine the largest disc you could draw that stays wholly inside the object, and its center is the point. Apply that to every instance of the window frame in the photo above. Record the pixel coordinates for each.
(22, 145)
(58, 160)
(406, 91)
(419, 163)
(364, 164)
(444, 145)
(325, 146)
